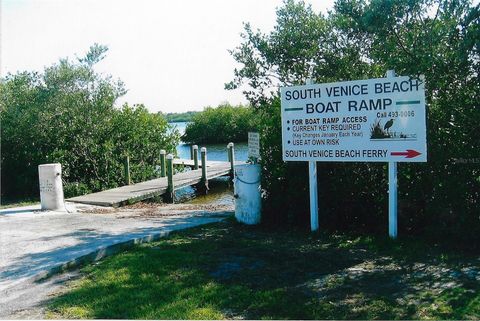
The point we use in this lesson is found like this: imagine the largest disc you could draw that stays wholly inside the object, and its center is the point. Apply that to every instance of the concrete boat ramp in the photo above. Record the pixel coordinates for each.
(36, 246)
(132, 193)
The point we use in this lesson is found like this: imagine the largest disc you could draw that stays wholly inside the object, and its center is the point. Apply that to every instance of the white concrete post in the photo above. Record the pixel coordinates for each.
(51, 188)
(392, 189)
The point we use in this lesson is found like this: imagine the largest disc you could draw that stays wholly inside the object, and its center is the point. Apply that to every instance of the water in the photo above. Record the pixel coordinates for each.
(215, 152)
(220, 192)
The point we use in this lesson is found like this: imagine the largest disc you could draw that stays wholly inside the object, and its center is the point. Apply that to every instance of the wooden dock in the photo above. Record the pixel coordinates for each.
(191, 163)
(136, 192)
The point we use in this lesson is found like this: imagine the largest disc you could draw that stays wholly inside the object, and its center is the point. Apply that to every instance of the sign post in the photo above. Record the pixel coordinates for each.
(392, 199)
(371, 120)
(313, 187)
(392, 189)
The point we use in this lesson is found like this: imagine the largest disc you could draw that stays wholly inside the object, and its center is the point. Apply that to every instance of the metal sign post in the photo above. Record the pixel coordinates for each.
(312, 182)
(313, 187)
(392, 199)
(392, 189)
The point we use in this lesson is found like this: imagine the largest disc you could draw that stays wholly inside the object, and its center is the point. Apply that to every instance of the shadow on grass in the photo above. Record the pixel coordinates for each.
(82, 242)
(228, 270)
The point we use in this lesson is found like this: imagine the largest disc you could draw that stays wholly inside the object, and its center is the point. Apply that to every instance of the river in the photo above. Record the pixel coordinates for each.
(221, 191)
(215, 152)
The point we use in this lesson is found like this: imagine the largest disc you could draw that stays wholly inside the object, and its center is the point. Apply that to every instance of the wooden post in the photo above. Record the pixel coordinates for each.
(195, 157)
(204, 182)
(191, 151)
(170, 187)
(162, 163)
(126, 165)
(231, 158)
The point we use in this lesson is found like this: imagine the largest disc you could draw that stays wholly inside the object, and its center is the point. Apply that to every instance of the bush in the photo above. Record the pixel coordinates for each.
(71, 189)
(66, 114)
(223, 124)
(358, 40)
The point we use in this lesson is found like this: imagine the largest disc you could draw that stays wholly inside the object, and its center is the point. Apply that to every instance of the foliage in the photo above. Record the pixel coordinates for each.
(66, 114)
(222, 124)
(10, 203)
(232, 271)
(358, 40)
(180, 117)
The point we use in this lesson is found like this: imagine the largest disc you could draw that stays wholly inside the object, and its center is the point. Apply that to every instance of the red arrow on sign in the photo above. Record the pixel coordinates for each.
(410, 153)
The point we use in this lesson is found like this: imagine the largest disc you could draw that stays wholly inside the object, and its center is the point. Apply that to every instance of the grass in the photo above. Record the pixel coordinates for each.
(9, 203)
(227, 270)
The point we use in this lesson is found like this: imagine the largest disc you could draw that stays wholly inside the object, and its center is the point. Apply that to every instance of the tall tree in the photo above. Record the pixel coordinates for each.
(361, 39)
(66, 114)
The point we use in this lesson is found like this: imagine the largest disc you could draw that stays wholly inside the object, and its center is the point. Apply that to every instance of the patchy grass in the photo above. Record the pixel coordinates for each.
(231, 271)
(9, 203)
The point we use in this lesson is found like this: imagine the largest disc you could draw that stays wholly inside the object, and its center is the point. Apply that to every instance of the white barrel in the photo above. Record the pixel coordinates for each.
(247, 193)
(51, 188)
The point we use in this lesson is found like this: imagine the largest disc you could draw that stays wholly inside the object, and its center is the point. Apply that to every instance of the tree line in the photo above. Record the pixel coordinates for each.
(222, 124)
(66, 114)
(180, 117)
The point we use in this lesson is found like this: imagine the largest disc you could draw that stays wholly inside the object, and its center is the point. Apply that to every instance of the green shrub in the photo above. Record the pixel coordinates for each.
(66, 114)
(358, 40)
(71, 189)
(223, 124)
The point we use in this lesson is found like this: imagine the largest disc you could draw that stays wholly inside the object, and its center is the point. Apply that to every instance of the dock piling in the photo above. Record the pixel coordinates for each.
(195, 157)
(162, 163)
(204, 181)
(170, 187)
(191, 151)
(231, 158)
(126, 165)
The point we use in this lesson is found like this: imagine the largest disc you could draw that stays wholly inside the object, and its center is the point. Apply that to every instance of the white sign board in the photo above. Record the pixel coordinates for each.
(373, 120)
(253, 145)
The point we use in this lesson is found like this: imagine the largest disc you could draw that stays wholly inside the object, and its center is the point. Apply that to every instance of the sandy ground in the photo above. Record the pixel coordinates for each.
(33, 243)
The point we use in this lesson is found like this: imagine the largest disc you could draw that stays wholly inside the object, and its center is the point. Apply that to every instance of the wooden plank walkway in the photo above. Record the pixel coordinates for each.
(190, 162)
(136, 192)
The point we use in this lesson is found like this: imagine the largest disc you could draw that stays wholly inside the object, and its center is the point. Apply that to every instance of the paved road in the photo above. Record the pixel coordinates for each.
(33, 243)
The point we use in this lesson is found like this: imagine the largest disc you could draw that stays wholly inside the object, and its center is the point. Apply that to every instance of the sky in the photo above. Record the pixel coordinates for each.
(172, 55)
